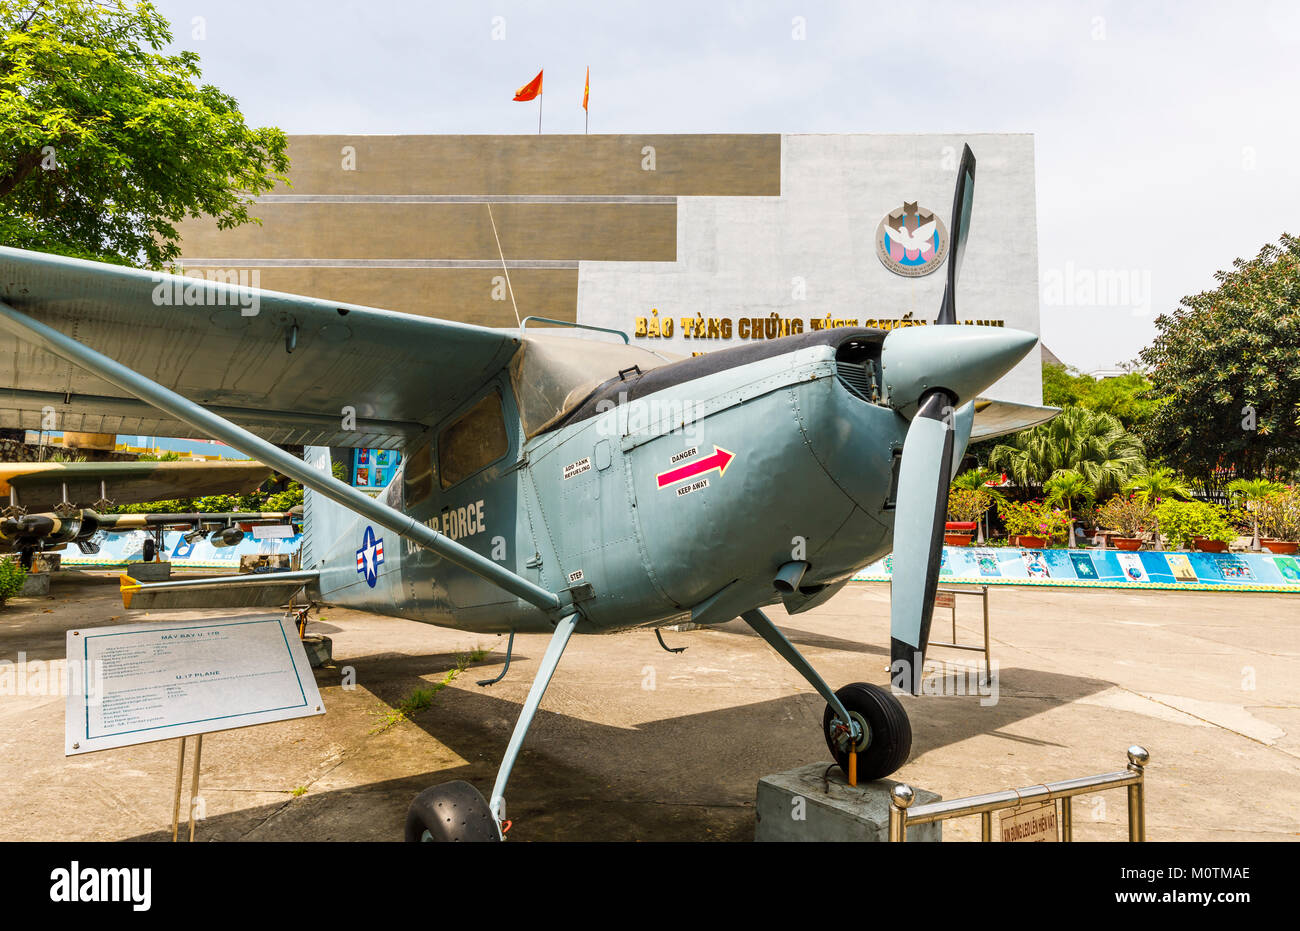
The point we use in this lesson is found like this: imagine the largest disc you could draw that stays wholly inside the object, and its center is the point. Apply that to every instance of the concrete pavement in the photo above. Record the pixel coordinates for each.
(633, 743)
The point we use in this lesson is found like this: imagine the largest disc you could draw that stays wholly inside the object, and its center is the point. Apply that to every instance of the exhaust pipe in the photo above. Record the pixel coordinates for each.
(789, 576)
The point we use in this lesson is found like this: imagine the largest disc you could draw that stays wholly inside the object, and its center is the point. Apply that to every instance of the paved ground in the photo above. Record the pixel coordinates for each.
(636, 744)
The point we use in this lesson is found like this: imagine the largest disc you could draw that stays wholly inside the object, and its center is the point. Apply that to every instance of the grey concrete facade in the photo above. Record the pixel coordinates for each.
(810, 252)
(725, 230)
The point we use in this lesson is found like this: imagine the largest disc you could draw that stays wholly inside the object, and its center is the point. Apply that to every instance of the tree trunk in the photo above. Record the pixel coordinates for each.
(24, 166)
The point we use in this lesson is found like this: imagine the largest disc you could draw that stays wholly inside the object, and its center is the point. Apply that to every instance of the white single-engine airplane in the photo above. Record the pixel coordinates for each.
(546, 479)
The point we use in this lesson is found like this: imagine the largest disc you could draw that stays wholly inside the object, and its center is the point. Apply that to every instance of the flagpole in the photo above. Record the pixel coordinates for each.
(539, 113)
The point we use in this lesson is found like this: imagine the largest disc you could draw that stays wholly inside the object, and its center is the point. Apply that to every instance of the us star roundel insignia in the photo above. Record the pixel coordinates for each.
(371, 556)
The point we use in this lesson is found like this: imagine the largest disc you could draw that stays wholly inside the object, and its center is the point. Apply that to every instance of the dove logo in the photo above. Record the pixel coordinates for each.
(911, 241)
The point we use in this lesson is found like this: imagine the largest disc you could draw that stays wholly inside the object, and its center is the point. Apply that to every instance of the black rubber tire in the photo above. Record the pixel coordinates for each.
(452, 812)
(149, 550)
(890, 740)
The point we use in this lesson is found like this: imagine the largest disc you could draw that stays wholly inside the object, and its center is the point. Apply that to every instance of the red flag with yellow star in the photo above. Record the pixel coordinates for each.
(530, 90)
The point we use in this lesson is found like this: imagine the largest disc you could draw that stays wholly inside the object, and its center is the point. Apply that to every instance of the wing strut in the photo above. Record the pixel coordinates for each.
(197, 416)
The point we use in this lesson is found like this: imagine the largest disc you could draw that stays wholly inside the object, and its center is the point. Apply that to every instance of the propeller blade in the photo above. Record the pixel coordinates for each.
(963, 199)
(919, 515)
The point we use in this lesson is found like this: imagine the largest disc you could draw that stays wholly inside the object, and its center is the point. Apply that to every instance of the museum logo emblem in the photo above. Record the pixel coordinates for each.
(911, 241)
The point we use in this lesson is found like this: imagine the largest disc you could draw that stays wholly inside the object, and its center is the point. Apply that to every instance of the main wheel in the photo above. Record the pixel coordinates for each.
(149, 550)
(454, 811)
(886, 737)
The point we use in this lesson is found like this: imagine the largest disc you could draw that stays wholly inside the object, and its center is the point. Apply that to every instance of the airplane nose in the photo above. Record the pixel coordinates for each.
(963, 360)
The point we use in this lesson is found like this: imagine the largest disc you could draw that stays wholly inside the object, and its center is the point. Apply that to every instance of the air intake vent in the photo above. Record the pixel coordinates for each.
(857, 377)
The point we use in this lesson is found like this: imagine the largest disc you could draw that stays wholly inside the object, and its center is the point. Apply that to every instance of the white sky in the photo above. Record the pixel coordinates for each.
(1167, 136)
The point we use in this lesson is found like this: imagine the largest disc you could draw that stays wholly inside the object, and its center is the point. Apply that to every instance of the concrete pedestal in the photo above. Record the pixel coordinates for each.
(319, 649)
(800, 805)
(149, 571)
(35, 584)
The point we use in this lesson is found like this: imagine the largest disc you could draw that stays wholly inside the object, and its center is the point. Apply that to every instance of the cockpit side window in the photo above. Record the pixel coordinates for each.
(552, 375)
(417, 476)
(473, 442)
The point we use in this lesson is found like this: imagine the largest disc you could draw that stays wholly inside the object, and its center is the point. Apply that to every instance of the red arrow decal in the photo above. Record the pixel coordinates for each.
(720, 459)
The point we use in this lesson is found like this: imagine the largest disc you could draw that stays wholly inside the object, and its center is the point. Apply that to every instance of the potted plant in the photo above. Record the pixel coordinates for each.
(1279, 520)
(1128, 516)
(1154, 486)
(1068, 488)
(1196, 525)
(965, 508)
(1032, 524)
(1250, 492)
(984, 481)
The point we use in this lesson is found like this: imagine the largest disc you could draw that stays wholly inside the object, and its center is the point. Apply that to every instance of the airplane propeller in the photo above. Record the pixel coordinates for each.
(932, 375)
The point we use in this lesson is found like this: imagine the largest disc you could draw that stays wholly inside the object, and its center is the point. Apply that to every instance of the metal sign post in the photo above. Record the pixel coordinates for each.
(947, 598)
(194, 786)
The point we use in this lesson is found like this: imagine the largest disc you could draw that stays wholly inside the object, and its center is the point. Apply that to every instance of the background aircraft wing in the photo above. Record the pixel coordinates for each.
(40, 485)
(226, 591)
(118, 523)
(996, 418)
(287, 368)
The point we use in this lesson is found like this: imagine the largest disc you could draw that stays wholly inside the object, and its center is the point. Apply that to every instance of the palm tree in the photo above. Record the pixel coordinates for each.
(1154, 485)
(1063, 489)
(1158, 483)
(977, 479)
(1251, 491)
(1092, 443)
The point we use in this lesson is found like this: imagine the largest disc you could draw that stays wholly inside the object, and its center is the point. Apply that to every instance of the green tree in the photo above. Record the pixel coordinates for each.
(1154, 486)
(1067, 488)
(1226, 365)
(1251, 491)
(1093, 444)
(106, 142)
(1126, 397)
(1157, 484)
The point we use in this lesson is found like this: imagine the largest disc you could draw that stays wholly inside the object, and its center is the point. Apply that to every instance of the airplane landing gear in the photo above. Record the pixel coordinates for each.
(453, 812)
(886, 737)
(457, 807)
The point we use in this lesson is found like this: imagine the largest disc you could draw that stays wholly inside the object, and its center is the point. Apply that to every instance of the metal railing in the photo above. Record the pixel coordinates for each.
(950, 601)
(902, 814)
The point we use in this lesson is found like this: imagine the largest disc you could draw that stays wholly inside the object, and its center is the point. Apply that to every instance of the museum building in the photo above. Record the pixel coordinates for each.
(686, 242)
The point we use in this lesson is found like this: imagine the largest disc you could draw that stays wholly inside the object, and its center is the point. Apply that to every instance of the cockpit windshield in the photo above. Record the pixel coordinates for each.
(554, 374)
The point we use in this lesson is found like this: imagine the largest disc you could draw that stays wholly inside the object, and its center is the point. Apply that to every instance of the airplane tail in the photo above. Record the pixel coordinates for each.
(323, 520)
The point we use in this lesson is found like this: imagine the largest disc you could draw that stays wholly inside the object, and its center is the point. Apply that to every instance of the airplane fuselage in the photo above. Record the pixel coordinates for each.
(684, 491)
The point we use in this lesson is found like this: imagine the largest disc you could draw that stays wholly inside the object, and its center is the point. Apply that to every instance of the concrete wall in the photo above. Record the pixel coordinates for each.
(811, 251)
(609, 229)
(402, 222)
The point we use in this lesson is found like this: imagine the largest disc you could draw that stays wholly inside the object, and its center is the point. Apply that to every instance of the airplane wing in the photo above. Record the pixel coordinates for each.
(997, 418)
(119, 523)
(287, 368)
(40, 486)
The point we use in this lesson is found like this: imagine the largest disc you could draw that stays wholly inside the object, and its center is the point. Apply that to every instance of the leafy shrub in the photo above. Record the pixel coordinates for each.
(1126, 515)
(1182, 520)
(12, 577)
(1034, 519)
(968, 504)
(1279, 514)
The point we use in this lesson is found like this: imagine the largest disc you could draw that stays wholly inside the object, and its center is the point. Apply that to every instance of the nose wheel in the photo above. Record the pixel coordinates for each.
(884, 736)
(450, 813)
